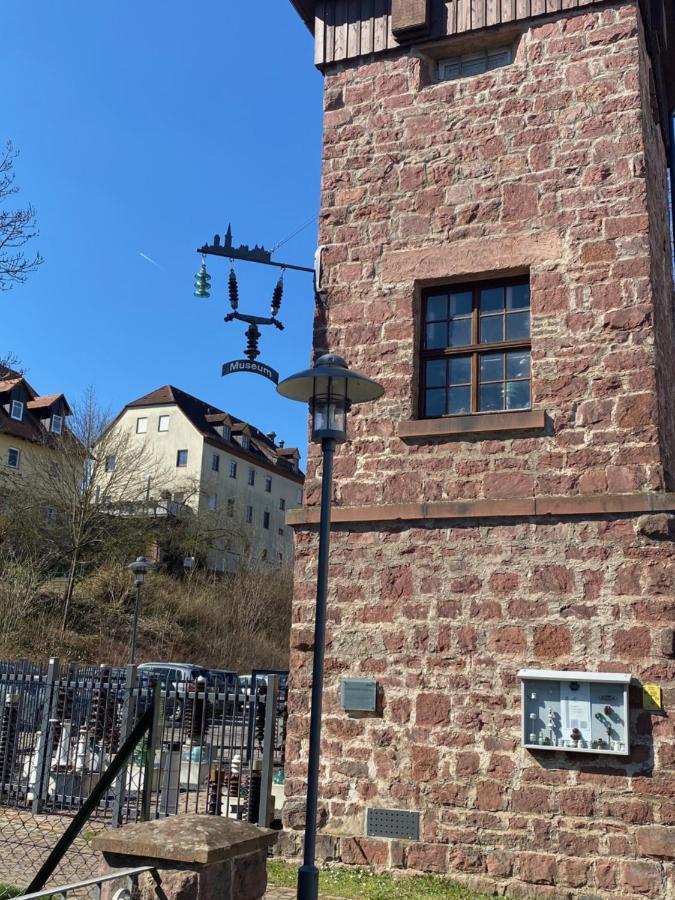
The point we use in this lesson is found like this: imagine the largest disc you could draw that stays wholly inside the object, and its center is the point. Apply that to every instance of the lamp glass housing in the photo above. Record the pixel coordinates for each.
(329, 412)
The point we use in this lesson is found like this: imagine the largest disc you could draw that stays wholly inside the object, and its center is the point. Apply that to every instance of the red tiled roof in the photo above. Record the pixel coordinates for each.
(47, 401)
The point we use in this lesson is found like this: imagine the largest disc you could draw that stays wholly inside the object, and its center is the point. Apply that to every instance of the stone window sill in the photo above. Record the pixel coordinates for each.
(481, 423)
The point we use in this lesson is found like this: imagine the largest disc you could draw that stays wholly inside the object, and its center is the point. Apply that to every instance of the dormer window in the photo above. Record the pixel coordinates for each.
(17, 411)
(57, 424)
(227, 432)
(245, 442)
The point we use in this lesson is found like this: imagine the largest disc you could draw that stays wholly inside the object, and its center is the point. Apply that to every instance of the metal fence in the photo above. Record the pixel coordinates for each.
(210, 751)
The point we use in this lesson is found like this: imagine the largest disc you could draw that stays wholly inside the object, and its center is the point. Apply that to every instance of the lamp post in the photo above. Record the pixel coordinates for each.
(139, 568)
(331, 389)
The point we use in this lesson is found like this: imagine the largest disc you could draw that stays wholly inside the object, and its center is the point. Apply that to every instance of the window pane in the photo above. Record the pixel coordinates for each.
(491, 329)
(461, 304)
(459, 370)
(459, 400)
(491, 397)
(492, 367)
(492, 299)
(518, 296)
(518, 395)
(517, 365)
(436, 373)
(436, 336)
(518, 326)
(437, 308)
(499, 58)
(450, 70)
(435, 403)
(460, 333)
(474, 65)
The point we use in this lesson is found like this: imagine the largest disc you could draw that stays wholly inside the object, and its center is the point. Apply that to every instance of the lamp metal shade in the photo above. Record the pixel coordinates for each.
(330, 374)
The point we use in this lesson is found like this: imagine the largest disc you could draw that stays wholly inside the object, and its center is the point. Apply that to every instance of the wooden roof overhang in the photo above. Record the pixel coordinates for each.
(350, 29)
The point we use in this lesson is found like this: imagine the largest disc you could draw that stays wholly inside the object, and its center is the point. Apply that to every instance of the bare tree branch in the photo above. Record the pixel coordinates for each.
(17, 228)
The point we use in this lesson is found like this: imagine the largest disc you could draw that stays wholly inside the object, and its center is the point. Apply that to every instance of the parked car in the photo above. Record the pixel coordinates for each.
(177, 679)
(225, 682)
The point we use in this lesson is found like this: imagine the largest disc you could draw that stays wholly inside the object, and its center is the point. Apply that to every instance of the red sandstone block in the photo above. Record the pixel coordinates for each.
(552, 579)
(552, 641)
(432, 709)
(537, 868)
(632, 643)
(642, 877)
(531, 800)
(577, 802)
(427, 857)
(467, 764)
(423, 763)
(509, 640)
(360, 851)
(656, 840)
(575, 872)
(605, 874)
(490, 795)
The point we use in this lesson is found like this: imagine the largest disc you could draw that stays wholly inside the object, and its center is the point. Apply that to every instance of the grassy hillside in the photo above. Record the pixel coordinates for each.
(234, 622)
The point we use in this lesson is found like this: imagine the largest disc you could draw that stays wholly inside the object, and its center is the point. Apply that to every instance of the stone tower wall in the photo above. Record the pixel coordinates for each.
(552, 166)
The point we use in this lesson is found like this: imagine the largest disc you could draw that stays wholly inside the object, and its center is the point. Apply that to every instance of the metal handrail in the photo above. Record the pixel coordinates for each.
(77, 885)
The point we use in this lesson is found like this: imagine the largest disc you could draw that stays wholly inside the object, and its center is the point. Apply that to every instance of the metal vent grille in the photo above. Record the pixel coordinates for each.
(393, 823)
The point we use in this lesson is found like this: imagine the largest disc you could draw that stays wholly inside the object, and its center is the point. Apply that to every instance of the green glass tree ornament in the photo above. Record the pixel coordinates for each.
(202, 282)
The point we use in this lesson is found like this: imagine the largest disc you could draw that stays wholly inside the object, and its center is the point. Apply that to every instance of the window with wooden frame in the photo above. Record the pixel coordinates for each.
(475, 355)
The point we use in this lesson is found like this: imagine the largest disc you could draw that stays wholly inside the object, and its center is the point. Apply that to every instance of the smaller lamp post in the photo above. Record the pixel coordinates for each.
(139, 568)
(330, 388)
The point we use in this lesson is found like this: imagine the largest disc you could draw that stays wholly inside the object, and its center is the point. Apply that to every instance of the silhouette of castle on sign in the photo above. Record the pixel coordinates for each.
(243, 251)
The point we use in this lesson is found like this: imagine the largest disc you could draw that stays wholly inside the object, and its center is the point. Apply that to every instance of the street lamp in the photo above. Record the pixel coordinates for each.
(331, 389)
(139, 568)
(188, 564)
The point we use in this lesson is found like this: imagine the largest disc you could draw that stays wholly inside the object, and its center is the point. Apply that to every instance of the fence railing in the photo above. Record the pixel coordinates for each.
(214, 751)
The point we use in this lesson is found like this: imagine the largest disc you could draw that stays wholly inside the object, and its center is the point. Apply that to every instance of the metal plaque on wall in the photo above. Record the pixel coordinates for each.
(393, 823)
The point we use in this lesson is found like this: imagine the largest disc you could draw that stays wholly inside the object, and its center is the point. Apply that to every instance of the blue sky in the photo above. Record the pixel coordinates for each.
(145, 128)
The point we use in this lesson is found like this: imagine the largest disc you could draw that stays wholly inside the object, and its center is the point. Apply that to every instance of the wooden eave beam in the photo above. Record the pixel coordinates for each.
(306, 11)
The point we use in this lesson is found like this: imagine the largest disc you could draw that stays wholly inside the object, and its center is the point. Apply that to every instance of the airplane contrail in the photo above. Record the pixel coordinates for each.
(149, 259)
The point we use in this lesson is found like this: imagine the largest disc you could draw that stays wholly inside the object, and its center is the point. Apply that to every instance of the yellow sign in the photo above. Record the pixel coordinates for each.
(651, 697)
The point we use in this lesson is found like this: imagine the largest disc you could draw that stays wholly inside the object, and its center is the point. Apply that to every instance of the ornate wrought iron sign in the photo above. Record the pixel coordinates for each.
(255, 323)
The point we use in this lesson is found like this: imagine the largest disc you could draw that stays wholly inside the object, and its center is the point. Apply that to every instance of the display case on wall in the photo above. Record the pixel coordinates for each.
(575, 712)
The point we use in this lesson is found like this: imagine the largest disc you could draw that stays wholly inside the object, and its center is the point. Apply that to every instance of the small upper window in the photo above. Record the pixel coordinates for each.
(476, 348)
(282, 504)
(215, 462)
(474, 63)
(13, 458)
(163, 423)
(233, 470)
(227, 432)
(17, 410)
(181, 458)
(249, 515)
(251, 477)
(110, 463)
(245, 441)
(213, 502)
(268, 484)
(141, 425)
(57, 424)
(266, 520)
